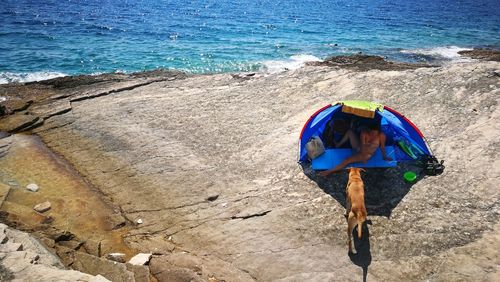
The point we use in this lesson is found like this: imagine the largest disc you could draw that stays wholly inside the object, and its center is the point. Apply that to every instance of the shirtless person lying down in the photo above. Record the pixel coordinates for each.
(364, 147)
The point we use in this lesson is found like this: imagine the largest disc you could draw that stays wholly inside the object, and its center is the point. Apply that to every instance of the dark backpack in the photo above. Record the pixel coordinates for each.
(431, 165)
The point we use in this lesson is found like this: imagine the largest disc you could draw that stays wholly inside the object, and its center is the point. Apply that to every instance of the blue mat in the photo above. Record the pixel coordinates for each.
(332, 157)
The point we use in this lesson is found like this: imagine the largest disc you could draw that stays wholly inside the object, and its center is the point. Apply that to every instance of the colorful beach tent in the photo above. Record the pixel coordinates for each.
(404, 142)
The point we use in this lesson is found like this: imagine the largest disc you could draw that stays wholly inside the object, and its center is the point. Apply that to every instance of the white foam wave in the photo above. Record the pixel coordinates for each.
(294, 62)
(9, 77)
(445, 52)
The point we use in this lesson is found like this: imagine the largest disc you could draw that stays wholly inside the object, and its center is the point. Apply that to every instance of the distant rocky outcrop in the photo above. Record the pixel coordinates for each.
(482, 54)
(362, 62)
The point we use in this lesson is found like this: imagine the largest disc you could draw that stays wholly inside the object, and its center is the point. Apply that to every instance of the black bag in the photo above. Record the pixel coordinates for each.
(431, 165)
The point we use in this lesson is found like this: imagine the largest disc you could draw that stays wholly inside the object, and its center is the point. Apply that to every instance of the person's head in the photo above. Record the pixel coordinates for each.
(374, 127)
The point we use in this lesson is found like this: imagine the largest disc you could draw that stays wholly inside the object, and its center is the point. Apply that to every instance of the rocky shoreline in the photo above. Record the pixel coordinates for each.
(202, 171)
(24, 257)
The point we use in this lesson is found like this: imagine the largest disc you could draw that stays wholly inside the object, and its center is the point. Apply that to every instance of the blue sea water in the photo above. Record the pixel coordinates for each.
(42, 39)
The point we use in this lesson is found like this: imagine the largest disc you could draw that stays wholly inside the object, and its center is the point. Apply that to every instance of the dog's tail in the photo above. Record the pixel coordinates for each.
(361, 217)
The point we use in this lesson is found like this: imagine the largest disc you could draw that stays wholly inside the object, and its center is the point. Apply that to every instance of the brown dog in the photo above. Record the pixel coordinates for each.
(356, 211)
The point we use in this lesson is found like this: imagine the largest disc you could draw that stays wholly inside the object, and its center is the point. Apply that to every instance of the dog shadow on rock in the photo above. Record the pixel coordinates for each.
(363, 257)
(384, 187)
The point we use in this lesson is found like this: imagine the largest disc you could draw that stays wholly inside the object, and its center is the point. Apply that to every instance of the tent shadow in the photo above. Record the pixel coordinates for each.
(384, 187)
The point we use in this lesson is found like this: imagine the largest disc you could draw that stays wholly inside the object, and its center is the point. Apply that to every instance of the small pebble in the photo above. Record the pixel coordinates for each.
(139, 221)
(32, 187)
(43, 207)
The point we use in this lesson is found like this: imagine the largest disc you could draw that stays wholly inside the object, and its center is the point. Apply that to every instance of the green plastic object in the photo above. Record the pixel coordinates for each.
(407, 150)
(410, 176)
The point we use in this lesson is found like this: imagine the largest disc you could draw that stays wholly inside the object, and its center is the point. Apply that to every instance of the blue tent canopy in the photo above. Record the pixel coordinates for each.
(403, 137)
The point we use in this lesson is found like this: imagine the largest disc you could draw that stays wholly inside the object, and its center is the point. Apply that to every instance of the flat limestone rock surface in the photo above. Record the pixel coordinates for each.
(12, 123)
(160, 150)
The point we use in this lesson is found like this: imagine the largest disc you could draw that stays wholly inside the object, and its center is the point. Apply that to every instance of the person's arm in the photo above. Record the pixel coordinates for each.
(325, 173)
(382, 147)
(342, 141)
(363, 138)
